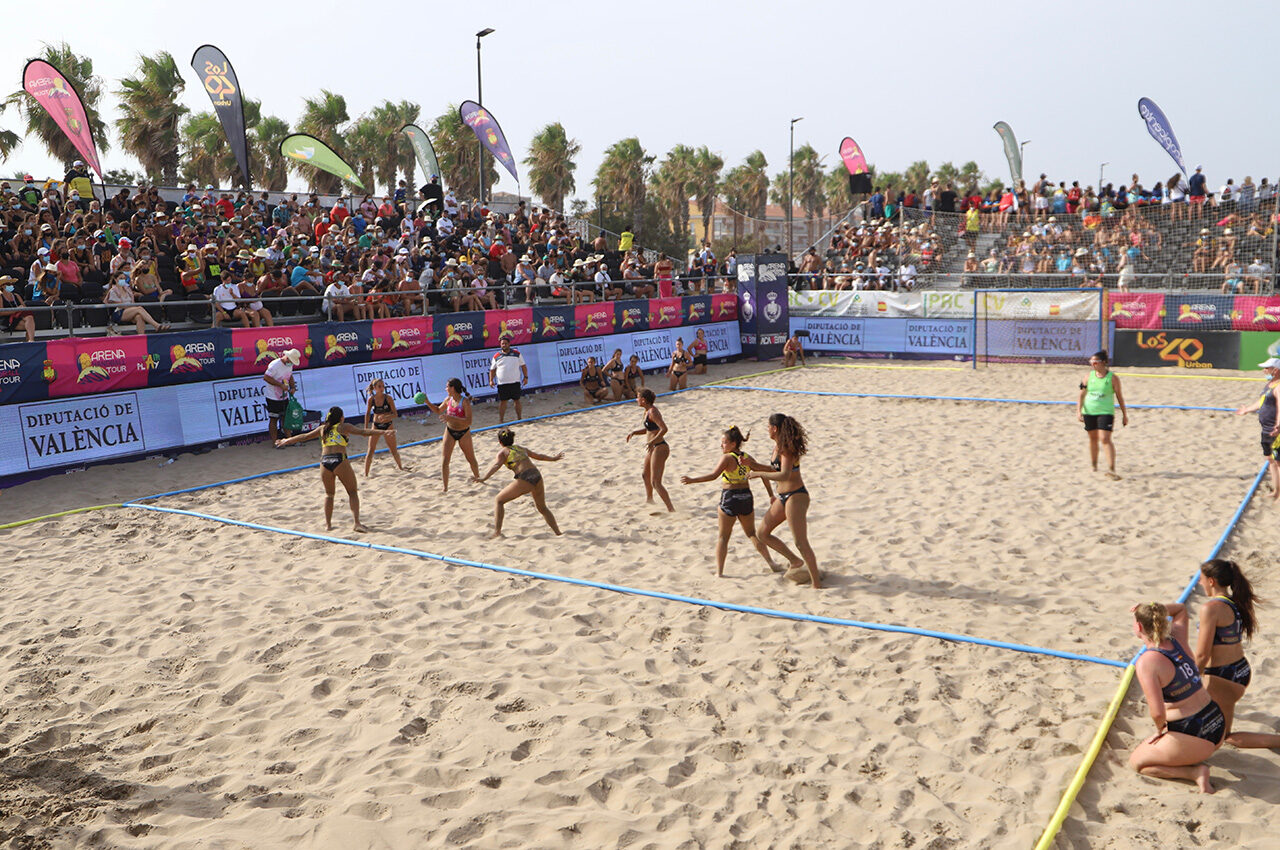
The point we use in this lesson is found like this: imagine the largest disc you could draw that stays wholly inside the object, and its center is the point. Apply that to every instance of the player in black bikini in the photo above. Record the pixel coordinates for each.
(455, 410)
(528, 479)
(1189, 724)
(656, 449)
(632, 378)
(614, 371)
(679, 369)
(592, 380)
(381, 408)
(735, 497)
(333, 434)
(792, 503)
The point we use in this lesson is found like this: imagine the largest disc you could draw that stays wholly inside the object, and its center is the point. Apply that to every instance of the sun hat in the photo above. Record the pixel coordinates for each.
(293, 355)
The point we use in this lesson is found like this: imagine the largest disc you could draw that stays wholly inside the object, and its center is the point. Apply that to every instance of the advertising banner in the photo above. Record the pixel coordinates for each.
(932, 336)
(241, 406)
(1256, 313)
(571, 357)
(97, 365)
(335, 343)
(1054, 306)
(1012, 153)
(595, 319)
(632, 315)
(459, 332)
(58, 433)
(515, 324)
(186, 358)
(1197, 311)
(405, 337)
(772, 314)
(1135, 309)
(309, 149)
(855, 161)
(422, 150)
(475, 372)
(25, 373)
(486, 128)
(1256, 348)
(1047, 340)
(59, 98)
(665, 313)
(721, 339)
(220, 82)
(1188, 349)
(403, 379)
(552, 323)
(697, 309)
(251, 350)
(654, 347)
(1161, 130)
(724, 307)
(835, 333)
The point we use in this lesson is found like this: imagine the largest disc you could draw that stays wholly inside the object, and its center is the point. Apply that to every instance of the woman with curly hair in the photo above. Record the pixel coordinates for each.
(792, 502)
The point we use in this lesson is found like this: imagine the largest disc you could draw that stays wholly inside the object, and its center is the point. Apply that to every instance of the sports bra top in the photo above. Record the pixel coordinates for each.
(385, 407)
(776, 463)
(515, 456)
(614, 367)
(333, 437)
(1186, 677)
(679, 357)
(1228, 635)
(649, 424)
(455, 409)
(736, 474)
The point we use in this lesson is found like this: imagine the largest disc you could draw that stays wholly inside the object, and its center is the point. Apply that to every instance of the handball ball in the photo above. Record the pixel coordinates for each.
(420, 398)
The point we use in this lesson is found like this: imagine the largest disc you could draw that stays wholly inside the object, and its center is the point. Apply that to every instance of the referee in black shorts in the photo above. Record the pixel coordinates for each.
(508, 373)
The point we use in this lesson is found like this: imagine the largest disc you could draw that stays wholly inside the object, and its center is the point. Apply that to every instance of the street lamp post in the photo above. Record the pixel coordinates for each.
(1100, 169)
(480, 100)
(1022, 156)
(791, 186)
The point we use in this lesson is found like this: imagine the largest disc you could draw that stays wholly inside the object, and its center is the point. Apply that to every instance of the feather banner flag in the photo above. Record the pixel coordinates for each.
(489, 133)
(1161, 130)
(312, 151)
(51, 90)
(220, 83)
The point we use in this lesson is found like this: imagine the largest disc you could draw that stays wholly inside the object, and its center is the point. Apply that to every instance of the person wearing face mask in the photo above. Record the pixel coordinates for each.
(11, 309)
(120, 297)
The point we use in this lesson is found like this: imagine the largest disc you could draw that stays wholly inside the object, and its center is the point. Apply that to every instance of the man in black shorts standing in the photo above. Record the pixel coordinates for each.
(280, 382)
(508, 372)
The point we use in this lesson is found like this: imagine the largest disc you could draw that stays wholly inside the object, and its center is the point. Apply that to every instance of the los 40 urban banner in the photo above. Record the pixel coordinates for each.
(125, 422)
(90, 366)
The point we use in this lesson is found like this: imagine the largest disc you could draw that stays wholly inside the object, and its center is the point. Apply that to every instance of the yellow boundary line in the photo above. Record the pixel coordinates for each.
(744, 377)
(878, 366)
(22, 522)
(1077, 781)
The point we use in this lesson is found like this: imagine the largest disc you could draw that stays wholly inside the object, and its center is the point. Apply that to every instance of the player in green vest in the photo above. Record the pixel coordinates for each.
(1099, 395)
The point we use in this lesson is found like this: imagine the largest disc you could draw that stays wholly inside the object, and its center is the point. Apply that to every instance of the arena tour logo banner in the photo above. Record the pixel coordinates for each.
(51, 90)
(665, 313)
(312, 151)
(595, 319)
(1197, 312)
(1135, 309)
(1161, 130)
(22, 369)
(80, 366)
(1256, 313)
(486, 128)
(334, 343)
(697, 309)
(404, 337)
(724, 307)
(459, 332)
(186, 358)
(552, 323)
(251, 350)
(220, 83)
(516, 325)
(633, 315)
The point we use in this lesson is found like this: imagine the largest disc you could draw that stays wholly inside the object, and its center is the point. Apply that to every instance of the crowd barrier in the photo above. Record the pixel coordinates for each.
(82, 429)
(92, 365)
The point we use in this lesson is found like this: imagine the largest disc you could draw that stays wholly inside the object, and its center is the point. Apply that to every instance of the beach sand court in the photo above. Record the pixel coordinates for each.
(172, 681)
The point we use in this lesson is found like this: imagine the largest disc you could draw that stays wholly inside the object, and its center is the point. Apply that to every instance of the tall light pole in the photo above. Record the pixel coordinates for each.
(791, 187)
(1100, 168)
(1022, 156)
(480, 100)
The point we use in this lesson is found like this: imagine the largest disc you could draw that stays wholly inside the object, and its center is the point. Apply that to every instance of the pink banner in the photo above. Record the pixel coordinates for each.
(852, 156)
(1136, 309)
(664, 312)
(1256, 313)
(516, 324)
(52, 91)
(407, 337)
(78, 366)
(593, 319)
(253, 349)
(724, 307)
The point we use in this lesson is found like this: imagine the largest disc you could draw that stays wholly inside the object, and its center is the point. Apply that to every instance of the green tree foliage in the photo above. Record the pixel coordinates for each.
(551, 165)
(323, 118)
(150, 122)
(671, 184)
(622, 178)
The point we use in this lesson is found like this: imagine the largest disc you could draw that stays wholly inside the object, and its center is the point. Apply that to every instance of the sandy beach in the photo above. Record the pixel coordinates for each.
(175, 682)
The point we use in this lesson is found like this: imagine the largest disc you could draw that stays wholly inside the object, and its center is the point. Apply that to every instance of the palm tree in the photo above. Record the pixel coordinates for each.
(9, 140)
(672, 184)
(458, 153)
(322, 117)
(270, 170)
(705, 185)
(755, 191)
(916, 177)
(395, 153)
(365, 144)
(150, 124)
(203, 149)
(551, 165)
(39, 123)
(621, 178)
(836, 185)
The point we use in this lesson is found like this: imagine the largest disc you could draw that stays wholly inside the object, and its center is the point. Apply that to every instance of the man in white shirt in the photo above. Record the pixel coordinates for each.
(280, 382)
(508, 372)
(338, 300)
(444, 227)
(225, 307)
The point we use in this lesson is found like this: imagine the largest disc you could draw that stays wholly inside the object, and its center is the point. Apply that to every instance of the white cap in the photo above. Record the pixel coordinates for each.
(1270, 363)
(293, 355)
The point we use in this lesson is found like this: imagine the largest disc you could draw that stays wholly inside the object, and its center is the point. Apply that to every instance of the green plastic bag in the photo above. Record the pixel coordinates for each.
(294, 416)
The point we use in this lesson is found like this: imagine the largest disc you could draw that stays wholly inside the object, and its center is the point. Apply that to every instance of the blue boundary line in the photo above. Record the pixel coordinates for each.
(634, 591)
(404, 446)
(955, 398)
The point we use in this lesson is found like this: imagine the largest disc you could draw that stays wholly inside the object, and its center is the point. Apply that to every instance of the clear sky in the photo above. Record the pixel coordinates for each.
(909, 81)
